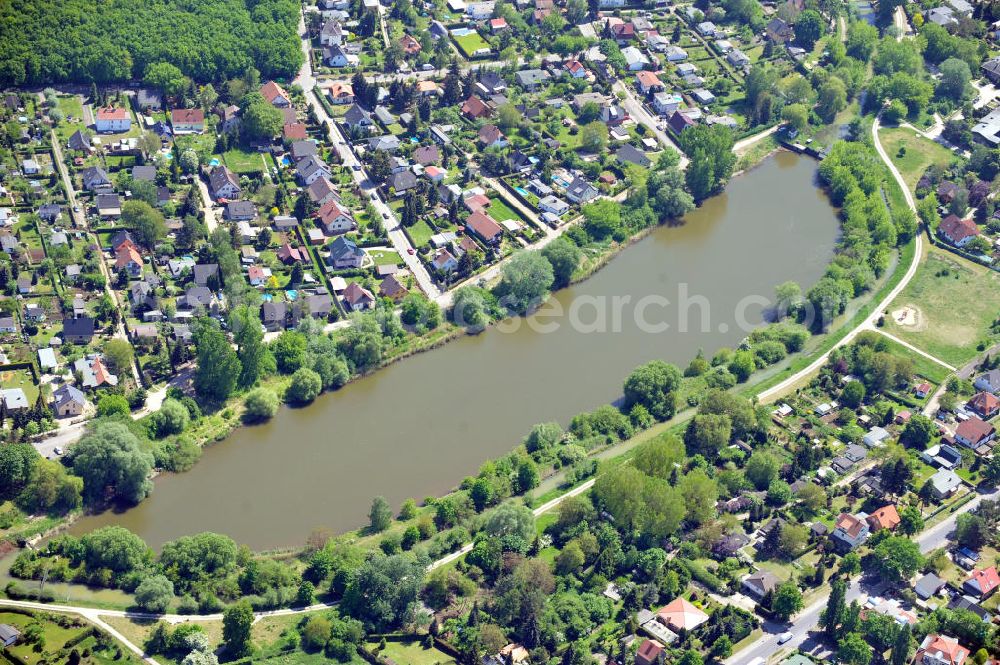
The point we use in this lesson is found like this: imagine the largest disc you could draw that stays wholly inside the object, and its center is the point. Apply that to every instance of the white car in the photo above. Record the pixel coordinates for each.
(784, 637)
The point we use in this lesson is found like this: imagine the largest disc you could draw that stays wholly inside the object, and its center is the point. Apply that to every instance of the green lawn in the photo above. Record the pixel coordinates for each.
(20, 378)
(499, 210)
(56, 636)
(925, 367)
(919, 153)
(242, 161)
(469, 44)
(420, 233)
(956, 302)
(413, 653)
(383, 257)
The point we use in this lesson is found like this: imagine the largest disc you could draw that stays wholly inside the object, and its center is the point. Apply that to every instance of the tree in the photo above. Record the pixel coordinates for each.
(955, 79)
(761, 469)
(809, 27)
(524, 281)
(832, 98)
(306, 385)
(146, 222)
(898, 558)
(570, 559)
(218, 366)
(119, 353)
(383, 592)
(853, 394)
(115, 548)
(654, 386)
(237, 622)
(111, 404)
(901, 646)
(792, 540)
(154, 594)
(594, 137)
(660, 456)
(700, 496)
(253, 355)
(853, 650)
(796, 115)
(167, 78)
(380, 515)
(111, 459)
(172, 418)
(289, 351)
(835, 606)
(862, 38)
(260, 120)
(850, 564)
(564, 256)
(787, 600)
(712, 160)
(918, 432)
(260, 404)
(509, 519)
(602, 218)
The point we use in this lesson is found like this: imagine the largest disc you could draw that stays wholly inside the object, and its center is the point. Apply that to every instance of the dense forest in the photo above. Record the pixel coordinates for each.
(50, 41)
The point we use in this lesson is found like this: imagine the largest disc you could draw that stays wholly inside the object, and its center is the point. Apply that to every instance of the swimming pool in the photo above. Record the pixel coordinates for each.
(214, 162)
(462, 32)
(285, 161)
(292, 294)
(521, 190)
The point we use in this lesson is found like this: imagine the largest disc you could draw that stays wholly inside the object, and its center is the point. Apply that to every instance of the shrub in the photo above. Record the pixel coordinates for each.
(306, 385)
(260, 404)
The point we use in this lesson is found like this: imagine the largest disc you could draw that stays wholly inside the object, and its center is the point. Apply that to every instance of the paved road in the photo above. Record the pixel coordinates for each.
(867, 324)
(638, 112)
(933, 538)
(807, 621)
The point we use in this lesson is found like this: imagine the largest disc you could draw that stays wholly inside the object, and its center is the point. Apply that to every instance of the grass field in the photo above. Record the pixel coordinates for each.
(383, 257)
(413, 653)
(241, 161)
(420, 233)
(499, 210)
(20, 378)
(56, 635)
(469, 44)
(957, 302)
(919, 153)
(925, 367)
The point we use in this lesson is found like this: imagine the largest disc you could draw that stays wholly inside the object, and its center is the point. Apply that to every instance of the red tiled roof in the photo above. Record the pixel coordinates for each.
(957, 229)
(271, 90)
(943, 648)
(886, 517)
(187, 116)
(986, 579)
(850, 524)
(974, 430)
(483, 225)
(111, 113)
(985, 403)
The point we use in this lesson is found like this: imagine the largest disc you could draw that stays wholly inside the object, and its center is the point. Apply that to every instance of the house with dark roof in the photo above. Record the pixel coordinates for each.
(223, 183)
(95, 178)
(357, 298)
(759, 584)
(402, 181)
(79, 330)
(629, 154)
(345, 253)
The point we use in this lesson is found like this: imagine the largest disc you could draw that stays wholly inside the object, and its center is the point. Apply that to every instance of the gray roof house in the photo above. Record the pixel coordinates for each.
(344, 253)
(928, 585)
(628, 153)
(989, 381)
(94, 178)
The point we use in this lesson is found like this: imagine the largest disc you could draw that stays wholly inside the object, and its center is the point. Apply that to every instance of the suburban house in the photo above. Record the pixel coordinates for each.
(635, 59)
(95, 178)
(982, 582)
(648, 82)
(274, 315)
(275, 95)
(666, 103)
(484, 226)
(944, 483)
(357, 117)
(79, 330)
(974, 433)
(650, 652)
(958, 232)
(111, 120)
(288, 254)
(345, 253)
(337, 56)
(335, 218)
(985, 404)
(778, 31)
(850, 530)
(886, 517)
(240, 211)
(358, 298)
(8, 635)
(444, 261)
(127, 258)
(109, 206)
(14, 399)
(680, 614)
(332, 34)
(187, 121)
(629, 154)
(580, 191)
(988, 381)
(310, 169)
(224, 183)
(928, 585)
(942, 456)
(68, 401)
(554, 205)
(490, 136)
(759, 584)
(678, 122)
(392, 288)
(940, 650)
(475, 108)
(94, 373)
(341, 93)
(409, 45)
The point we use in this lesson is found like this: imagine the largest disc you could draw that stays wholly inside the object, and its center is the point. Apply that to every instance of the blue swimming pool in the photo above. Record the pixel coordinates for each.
(285, 161)
(214, 162)
(521, 190)
(462, 32)
(292, 294)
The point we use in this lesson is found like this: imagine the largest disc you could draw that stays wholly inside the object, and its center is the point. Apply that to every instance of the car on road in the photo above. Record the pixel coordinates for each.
(385, 215)
(76, 208)
(427, 67)
(409, 250)
(57, 450)
(356, 167)
(372, 195)
(784, 637)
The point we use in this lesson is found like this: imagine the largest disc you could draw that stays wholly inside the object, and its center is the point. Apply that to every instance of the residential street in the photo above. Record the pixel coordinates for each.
(638, 112)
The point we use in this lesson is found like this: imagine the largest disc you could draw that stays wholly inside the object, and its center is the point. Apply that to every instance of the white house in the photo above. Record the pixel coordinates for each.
(111, 120)
(553, 204)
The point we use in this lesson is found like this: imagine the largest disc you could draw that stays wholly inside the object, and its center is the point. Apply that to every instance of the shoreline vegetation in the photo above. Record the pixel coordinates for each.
(659, 399)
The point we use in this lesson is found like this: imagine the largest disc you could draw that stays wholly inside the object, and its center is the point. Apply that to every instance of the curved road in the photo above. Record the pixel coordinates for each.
(928, 540)
(869, 322)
